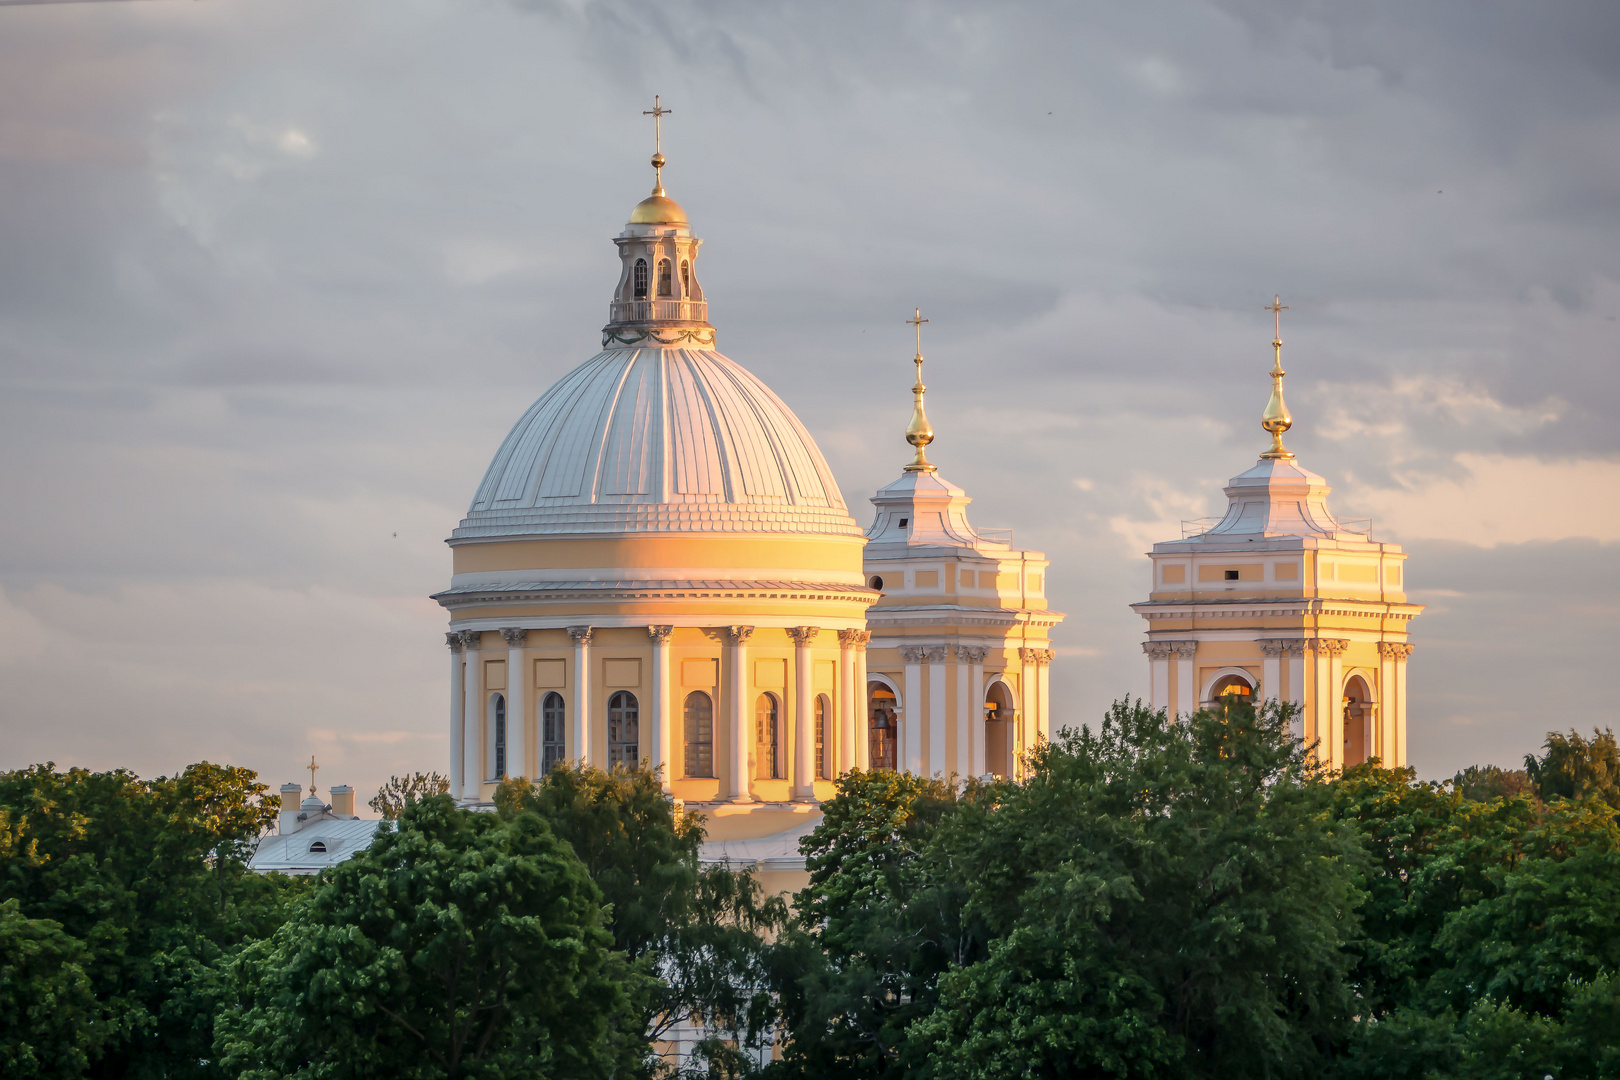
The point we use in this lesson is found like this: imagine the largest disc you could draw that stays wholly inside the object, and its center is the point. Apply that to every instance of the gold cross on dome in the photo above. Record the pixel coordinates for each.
(312, 767)
(1277, 307)
(657, 112)
(917, 321)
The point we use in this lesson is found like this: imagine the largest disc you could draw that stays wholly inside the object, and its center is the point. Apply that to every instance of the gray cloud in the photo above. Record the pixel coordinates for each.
(276, 278)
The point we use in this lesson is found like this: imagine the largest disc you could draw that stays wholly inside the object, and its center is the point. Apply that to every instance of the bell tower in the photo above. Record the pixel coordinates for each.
(1281, 599)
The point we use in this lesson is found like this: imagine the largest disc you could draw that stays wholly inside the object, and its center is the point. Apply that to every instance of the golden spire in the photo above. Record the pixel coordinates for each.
(1276, 419)
(657, 112)
(918, 433)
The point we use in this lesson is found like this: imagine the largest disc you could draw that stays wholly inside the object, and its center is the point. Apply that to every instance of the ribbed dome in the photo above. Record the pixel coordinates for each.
(657, 440)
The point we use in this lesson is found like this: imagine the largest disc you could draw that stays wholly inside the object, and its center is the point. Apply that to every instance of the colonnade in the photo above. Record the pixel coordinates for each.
(845, 728)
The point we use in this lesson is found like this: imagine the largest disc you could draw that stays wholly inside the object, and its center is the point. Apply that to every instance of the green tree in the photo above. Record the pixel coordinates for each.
(1574, 768)
(50, 1022)
(879, 923)
(148, 876)
(457, 945)
(1167, 898)
(696, 933)
(392, 798)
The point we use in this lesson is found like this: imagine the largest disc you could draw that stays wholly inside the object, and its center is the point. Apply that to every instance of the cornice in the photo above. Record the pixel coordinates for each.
(560, 592)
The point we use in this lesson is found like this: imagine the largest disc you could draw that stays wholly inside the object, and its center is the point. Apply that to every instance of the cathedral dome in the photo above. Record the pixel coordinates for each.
(658, 210)
(636, 440)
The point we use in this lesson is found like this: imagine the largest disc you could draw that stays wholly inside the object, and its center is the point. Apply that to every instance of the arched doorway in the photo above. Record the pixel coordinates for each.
(1358, 710)
(882, 725)
(999, 715)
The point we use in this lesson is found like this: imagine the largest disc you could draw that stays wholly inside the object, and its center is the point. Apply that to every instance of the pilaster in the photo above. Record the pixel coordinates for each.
(517, 710)
(661, 750)
(458, 706)
(580, 728)
(739, 784)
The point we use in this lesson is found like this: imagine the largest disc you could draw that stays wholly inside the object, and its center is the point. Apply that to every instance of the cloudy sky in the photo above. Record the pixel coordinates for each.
(276, 276)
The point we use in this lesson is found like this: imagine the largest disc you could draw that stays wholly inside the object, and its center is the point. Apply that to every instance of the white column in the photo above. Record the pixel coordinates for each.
(911, 712)
(1026, 710)
(458, 706)
(975, 659)
(1271, 668)
(472, 743)
(1385, 746)
(802, 723)
(1186, 680)
(844, 757)
(1043, 672)
(517, 711)
(662, 744)
(579, 729)
(1335, 704)
(962, 761)
(1400, 704)
(1158, 654)
(937, 655)
(739, 789)
(863, 745)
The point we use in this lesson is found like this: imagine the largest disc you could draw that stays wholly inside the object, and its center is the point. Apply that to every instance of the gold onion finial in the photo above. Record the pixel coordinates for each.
(657, 112)
(1276, 419)
(918, 433)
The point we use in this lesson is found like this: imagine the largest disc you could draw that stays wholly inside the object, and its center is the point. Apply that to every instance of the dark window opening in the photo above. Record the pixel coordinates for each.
(823, 770)
(876, 583)
(1231, 575)
(624, 730)
(664, 286)
(686, 280)
(318, 848)
(641, 279)
(767, 739)
(904, 522)
(699, 734)
(553, 740)
(499, 704)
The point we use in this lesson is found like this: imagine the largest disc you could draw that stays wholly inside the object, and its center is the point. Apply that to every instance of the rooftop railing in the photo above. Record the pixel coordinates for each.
(658, 310)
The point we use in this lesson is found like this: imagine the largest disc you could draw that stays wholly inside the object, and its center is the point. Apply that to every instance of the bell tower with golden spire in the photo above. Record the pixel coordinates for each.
(1281, 599)
(956, 671)
(658, 300)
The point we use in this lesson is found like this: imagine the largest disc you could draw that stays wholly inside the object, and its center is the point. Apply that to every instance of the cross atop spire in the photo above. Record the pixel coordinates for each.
(658, 112)
(917, 321)
(1276, 419)
(312, 767)
(918, 432)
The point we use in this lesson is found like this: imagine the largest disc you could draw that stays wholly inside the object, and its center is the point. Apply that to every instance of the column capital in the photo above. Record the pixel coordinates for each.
(1159, 650)
(938, 654)
(1333, 646)
(452, 638)
(1394, 650)
(1184, 650)
(973, 654)
(1278, 647)
(1043, 657)
(581, 634)
(516, 636)
(472, 639)
(739, 635)
(803, 635)
(659, 634)
(853, 637)
(914, 654)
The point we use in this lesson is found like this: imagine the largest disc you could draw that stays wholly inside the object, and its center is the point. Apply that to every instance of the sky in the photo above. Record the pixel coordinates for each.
(277, 276)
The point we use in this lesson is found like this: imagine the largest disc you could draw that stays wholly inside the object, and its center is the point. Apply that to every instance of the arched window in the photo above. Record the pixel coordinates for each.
(497, 736)
(641, 279)
(876, 583)
(624, 730)
(767, 738)
(883, 730)
(553, 737)
(318, 848)
(699, 734)
(998, 729)
(1358, 729)
(1231, 686)
(823, 747)
(665, 287)
(686, 280)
